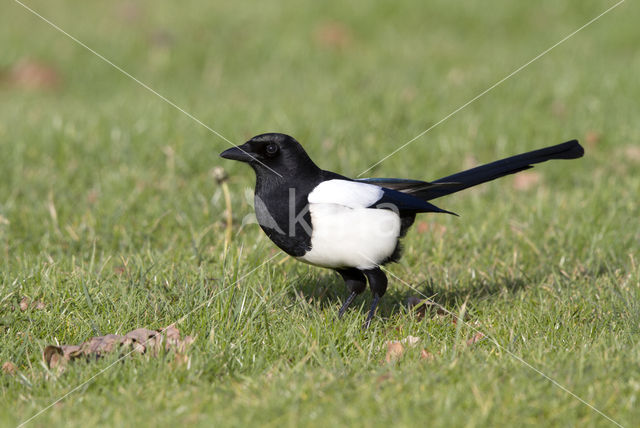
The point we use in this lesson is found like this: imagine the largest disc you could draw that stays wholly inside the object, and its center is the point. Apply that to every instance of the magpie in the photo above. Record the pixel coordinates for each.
(353, 226)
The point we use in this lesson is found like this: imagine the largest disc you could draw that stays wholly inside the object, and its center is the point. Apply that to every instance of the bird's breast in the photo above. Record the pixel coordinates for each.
(351, 237)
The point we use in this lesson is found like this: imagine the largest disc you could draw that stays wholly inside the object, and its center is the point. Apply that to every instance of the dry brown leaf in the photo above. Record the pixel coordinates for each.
(101, 344)
(410, 341)
(57, 356)
(53, 356)
(426, 355)
(182, 360)
(173, 339)
(475, 339)
(592, 138)
(140, 335)
(434, 228)
(526, 180)
(332, 34)
(9, 368)
(141, 340)
(24, 303)
(395, 349)
(422, 227)
(33, 75)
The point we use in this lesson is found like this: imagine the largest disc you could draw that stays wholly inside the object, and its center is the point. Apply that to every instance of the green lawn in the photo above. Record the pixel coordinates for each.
(110, 214)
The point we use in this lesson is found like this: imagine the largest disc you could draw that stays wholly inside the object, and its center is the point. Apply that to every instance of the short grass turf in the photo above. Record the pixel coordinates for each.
(110, 214)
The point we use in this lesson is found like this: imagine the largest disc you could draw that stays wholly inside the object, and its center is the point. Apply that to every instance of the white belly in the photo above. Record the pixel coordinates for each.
(351, 237)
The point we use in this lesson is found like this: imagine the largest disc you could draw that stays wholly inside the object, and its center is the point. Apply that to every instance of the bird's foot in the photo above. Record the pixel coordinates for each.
(372, 311)
(346, 304)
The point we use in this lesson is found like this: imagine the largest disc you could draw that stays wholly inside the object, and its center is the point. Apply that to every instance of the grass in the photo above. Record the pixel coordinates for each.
(110, 215)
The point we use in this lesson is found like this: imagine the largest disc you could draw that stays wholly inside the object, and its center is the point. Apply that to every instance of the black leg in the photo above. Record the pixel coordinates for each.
(355, 282)
(372, 311)
(378, 284)
(346, 303)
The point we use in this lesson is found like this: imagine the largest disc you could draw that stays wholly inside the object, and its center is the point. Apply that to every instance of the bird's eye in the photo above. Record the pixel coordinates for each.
(272, 149)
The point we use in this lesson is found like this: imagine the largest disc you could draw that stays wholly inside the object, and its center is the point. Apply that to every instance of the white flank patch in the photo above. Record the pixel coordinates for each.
(347, 193)
(351, 237)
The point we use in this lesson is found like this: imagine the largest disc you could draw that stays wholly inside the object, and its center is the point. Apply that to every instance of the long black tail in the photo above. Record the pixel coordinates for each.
(481, 174)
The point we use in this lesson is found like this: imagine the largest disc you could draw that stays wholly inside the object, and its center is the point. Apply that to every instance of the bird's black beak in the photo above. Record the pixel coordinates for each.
(237, 153)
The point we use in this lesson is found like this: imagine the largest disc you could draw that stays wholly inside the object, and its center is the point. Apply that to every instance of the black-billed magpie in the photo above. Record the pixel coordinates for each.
(353, 226)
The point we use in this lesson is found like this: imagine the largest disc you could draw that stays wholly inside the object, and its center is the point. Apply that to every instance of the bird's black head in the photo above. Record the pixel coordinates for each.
(272, 153)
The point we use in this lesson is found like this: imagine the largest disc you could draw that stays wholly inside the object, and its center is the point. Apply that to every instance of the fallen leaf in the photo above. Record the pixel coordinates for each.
(395, 349)
(410, 340)
(26, 303)
(592, 138)
(140, 335)
(58, 356)
(435, 229)
(33, 75)
(9, 368)
(526, 180)
(475, 339)
(426, 355)
(182, 360)
(332, 34)
(141, 340)
(173, 339)
(101, 344)
(423, 227)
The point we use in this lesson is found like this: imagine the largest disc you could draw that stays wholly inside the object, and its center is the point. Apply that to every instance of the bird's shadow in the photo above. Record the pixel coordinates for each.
(327, 290)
